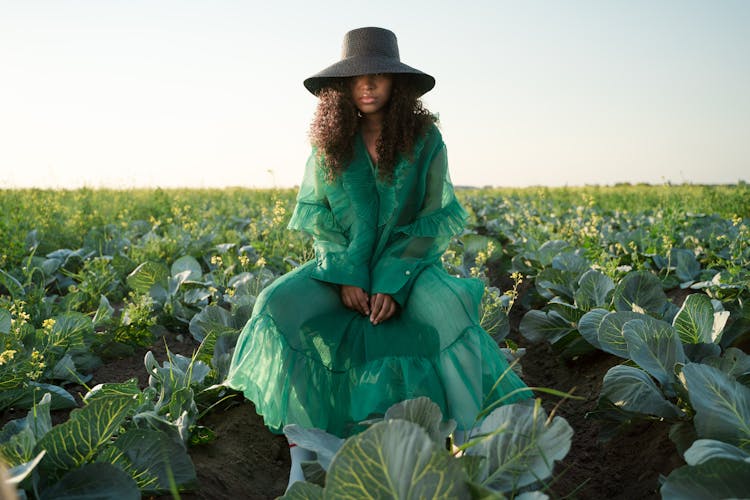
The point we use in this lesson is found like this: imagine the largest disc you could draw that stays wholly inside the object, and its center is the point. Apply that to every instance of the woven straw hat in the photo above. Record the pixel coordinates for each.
(367, 51)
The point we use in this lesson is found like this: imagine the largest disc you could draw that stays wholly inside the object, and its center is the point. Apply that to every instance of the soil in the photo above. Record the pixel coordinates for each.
(246, 461)
(625, 467)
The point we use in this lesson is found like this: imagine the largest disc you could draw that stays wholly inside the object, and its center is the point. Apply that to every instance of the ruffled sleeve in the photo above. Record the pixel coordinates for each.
(337, 261)
(422, 241)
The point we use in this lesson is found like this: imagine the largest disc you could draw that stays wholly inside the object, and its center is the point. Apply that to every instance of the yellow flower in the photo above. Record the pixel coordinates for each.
(6, 356)
(261, 262)
(481, 258)
(23, 316)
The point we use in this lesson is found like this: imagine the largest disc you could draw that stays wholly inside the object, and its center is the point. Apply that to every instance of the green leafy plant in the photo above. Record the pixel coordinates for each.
(404, 455)
(60, 352)
(714, 470)
(598, 257)
(122, 442)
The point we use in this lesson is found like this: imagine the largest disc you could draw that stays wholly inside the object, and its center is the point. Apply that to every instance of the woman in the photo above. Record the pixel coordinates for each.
(374, 319)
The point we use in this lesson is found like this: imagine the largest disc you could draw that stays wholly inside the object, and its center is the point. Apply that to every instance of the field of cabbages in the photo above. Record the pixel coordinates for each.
(625, 307)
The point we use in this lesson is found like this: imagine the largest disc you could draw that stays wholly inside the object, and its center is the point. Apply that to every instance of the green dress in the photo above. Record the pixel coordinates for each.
(304, 358)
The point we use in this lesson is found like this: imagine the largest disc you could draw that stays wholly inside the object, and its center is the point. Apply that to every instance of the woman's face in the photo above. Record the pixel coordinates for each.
(371, 92)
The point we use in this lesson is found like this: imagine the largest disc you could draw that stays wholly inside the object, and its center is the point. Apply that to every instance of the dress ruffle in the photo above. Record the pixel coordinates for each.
(314, 219)
(288, 385)
(448, 221)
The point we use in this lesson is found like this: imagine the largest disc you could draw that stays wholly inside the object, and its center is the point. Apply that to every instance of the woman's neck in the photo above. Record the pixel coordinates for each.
(372, 125)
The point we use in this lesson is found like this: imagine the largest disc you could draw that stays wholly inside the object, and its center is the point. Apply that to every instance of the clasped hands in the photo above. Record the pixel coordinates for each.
(379, 307)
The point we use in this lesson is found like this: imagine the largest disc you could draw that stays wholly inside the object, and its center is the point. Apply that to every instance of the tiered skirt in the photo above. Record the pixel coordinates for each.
(304, 358)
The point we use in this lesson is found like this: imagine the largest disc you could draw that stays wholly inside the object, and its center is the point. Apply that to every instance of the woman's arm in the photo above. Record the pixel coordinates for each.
(422, 242)
(338, 261)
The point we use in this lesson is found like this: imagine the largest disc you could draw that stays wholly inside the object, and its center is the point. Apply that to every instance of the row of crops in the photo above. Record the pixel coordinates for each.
(89, 276)
(603, 281)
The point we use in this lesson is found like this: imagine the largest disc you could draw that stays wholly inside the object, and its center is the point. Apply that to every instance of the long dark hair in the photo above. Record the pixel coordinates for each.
(336, 122)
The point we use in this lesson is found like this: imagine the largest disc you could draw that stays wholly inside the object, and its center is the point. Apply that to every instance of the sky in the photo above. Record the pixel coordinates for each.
(157, 93)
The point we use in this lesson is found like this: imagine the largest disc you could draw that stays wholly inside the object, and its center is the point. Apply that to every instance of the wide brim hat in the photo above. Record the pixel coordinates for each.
(368, 51)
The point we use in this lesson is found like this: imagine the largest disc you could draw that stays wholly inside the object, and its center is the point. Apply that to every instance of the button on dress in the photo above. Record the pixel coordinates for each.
(304, 358)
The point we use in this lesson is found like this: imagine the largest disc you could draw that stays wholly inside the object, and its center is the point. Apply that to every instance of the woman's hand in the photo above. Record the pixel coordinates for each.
(383, 308)
(355, 299)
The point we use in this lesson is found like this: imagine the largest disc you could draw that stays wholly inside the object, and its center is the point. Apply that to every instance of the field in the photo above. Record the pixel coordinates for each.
(627, 307)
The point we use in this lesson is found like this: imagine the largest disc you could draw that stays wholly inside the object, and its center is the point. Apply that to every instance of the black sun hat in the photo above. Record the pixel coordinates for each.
(367, 51)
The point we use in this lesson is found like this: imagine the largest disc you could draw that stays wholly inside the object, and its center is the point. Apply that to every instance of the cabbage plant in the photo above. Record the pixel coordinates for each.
(38, 360)
(571, 288)
(404, 456)
(91, 454)
(714, 469)
(677, 372)
(124, 441)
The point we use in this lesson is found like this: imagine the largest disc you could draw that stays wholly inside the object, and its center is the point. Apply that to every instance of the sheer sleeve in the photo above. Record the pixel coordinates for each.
(338, 261)
(422, 242)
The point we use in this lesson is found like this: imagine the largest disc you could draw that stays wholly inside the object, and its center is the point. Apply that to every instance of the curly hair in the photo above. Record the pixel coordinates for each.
(336, 123)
